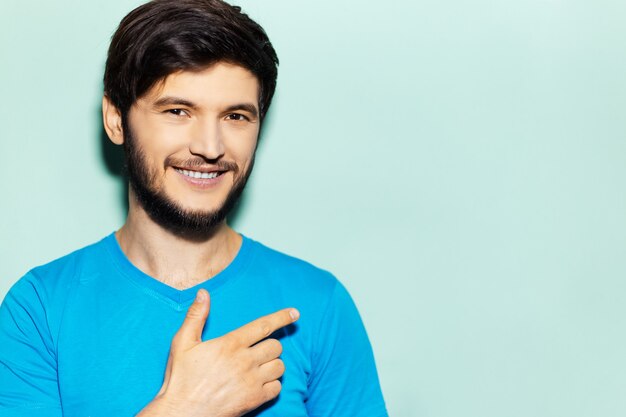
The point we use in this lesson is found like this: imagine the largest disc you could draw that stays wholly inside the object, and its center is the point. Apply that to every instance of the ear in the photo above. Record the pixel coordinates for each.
(112, 119)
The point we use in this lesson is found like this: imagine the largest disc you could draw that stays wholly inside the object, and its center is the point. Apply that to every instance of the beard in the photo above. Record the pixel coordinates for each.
(194, 225)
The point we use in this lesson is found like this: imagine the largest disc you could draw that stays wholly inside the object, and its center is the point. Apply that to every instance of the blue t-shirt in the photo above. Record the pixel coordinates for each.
(89, 335)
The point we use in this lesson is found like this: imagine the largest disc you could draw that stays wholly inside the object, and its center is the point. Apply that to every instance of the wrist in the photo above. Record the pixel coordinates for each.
(160, 406)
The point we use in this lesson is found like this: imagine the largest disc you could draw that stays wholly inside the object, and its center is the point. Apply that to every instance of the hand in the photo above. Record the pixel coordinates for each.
(227, 376)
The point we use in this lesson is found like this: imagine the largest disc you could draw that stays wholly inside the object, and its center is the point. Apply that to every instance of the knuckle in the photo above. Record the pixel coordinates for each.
(244, 363)
(278, 347)
(194, 312)
(265, 328)
(255, 400)
(280, 366)
(272, 389)
(229, 341)
(273, 347)
(176, 342)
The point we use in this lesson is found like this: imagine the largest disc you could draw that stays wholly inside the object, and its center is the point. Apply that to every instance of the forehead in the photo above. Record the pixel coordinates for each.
(219, 84)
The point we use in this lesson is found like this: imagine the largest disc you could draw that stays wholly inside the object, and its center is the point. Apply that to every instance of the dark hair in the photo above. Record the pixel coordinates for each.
(164, 36)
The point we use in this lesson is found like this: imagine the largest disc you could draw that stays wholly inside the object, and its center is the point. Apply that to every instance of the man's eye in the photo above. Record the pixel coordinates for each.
(236, 116)
(177, 112)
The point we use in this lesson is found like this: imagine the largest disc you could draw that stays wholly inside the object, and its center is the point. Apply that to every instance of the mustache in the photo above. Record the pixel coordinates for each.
(201, 163)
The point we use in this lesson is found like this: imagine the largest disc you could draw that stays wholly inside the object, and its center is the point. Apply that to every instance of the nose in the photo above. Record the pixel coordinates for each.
(207, 140)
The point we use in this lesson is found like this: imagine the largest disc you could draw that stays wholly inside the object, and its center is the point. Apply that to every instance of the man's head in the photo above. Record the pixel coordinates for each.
(187, 84)
(162, 37)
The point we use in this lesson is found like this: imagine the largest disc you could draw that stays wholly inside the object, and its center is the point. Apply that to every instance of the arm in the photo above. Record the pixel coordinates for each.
(344, 381)
(28, 366)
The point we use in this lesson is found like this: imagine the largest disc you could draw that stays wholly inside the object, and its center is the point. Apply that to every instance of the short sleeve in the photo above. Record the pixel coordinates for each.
(28, 371)
(344, 381)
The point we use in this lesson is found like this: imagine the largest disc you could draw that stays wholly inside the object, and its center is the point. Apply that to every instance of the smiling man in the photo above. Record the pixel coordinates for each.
(176, 314)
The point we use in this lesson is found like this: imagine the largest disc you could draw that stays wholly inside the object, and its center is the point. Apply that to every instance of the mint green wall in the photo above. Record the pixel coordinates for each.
(460, 165)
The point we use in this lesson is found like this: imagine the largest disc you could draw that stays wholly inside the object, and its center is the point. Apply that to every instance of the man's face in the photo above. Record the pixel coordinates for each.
(190, 144)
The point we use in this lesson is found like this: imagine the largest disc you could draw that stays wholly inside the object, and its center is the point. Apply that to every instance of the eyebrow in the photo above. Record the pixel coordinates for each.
(174, 101)
(247, 107)
(178, 101)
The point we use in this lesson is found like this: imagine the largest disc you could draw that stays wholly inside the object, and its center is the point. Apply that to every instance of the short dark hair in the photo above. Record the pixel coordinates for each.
(164, 36)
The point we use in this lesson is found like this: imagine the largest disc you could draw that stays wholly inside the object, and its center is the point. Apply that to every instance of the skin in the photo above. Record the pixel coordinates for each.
(196, 120)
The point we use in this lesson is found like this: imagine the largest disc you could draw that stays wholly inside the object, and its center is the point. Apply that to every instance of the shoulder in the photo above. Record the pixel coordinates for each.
(277, 265)
(51, 283)
(80, 262)
(288, 280)
(34, 307)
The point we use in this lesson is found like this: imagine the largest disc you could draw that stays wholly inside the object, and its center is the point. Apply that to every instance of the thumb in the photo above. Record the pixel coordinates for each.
(190, 332)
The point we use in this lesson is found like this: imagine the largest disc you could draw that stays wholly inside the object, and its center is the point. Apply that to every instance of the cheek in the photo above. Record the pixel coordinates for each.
(243, 146)
(246, 157)
(166, 139)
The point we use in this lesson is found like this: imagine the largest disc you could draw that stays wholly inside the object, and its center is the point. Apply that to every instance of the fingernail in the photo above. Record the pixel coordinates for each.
(200, 297)
(295, 314)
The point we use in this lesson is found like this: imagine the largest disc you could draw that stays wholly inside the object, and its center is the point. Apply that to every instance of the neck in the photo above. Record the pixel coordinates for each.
(171, 259)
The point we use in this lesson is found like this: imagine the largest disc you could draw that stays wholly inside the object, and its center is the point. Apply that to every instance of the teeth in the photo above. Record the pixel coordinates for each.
(197, 174)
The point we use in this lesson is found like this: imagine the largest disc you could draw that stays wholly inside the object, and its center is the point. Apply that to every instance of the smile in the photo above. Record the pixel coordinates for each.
(197, 174)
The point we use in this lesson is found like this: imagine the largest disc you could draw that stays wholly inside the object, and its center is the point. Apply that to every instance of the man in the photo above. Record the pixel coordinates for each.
(122, 327)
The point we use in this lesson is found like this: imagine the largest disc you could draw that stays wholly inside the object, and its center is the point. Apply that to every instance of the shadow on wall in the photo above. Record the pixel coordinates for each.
(114, 161)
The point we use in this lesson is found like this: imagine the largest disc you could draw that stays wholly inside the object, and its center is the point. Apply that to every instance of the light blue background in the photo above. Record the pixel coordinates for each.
(458, 164)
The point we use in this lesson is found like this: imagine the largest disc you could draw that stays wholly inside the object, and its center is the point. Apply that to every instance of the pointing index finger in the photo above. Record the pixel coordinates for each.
(259, 329)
